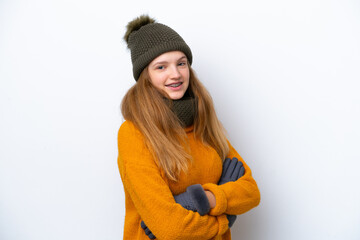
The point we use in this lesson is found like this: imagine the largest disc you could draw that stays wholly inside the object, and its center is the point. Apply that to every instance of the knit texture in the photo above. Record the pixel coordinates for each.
(194, 199)
(151, 40)
(184, 109)
(149, 195)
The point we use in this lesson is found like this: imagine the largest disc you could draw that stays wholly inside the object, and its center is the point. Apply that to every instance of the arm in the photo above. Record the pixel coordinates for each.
(235, 197)
(198, 200)
(152, 197)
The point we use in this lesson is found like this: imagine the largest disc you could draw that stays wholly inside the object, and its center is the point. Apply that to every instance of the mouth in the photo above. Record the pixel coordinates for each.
(174, 85)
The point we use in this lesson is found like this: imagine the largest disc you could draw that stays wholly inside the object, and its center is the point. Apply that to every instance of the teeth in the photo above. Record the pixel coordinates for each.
(175, 85)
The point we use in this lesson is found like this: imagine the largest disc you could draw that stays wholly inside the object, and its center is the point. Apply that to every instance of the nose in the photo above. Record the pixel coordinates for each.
(175, 73)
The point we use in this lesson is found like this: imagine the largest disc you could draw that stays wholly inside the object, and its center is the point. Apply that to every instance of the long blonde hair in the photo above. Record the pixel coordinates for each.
(145, 107)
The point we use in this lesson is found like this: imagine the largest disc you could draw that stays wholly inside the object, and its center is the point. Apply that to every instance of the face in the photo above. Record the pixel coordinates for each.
(170, 72)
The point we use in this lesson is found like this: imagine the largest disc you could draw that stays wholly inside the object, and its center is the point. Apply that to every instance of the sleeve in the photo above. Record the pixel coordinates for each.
(237, 197)
(152, 196)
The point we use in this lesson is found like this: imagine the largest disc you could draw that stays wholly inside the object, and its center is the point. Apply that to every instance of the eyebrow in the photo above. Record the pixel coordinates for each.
(162, 62)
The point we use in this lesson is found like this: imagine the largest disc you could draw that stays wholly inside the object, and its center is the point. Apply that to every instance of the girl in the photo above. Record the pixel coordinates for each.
(182, 178)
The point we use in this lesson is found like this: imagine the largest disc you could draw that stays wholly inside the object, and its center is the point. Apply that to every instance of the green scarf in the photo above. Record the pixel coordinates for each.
(184, 109)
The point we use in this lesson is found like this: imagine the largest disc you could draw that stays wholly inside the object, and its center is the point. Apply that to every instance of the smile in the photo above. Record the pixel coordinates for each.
(174, 84)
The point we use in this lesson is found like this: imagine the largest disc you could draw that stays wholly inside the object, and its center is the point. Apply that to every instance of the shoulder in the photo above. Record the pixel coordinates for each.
(128, 128)
(127, 125)
(129, 134)
(132, 146)
(132, 150)
(130, 139)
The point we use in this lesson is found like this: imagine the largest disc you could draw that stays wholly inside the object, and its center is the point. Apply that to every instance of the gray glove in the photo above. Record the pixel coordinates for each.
(233, 169)
(193, 199)
(147, 230)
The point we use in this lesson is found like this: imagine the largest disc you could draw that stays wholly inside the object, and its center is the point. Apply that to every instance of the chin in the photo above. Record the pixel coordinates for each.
(176, 96)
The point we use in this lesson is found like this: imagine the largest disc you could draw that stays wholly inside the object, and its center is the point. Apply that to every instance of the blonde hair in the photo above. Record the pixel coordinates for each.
(145, 107)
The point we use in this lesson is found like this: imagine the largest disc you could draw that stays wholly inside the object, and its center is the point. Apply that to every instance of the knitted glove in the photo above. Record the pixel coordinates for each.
(231, 219)
(147, 230)
(232, 171)
(193, 199)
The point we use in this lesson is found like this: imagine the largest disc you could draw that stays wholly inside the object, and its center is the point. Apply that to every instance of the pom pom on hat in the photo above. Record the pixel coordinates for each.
(136, 24)
(148, 39)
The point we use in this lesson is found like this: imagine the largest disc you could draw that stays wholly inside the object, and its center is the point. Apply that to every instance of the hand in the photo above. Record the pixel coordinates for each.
(232, 171)
(231, 219)
(194, 199)
(147, 230)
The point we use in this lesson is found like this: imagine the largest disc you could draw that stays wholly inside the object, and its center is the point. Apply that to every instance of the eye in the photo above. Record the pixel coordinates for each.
(182, 64)
(160, 67)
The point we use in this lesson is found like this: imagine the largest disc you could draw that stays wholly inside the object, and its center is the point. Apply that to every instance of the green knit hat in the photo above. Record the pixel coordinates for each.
(148, 39)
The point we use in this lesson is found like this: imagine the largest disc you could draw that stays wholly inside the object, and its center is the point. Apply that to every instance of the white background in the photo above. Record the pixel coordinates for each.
(284, 76)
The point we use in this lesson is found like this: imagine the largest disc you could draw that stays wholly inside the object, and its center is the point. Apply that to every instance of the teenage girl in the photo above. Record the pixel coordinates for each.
(182, 178)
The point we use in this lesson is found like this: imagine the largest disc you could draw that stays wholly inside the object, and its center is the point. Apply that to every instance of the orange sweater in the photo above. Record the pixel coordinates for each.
(149, 194)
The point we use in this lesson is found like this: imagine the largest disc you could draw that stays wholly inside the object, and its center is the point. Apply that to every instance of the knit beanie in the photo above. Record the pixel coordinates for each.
(148, 39)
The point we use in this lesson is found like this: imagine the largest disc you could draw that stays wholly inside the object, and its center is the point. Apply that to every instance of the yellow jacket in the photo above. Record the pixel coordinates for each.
(149, 194)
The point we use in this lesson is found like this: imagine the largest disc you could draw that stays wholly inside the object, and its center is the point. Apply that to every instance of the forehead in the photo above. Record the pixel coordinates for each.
(168, 57)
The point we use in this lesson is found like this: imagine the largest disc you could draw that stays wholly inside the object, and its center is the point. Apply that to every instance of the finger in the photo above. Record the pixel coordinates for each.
(225, 165)
(148, 232)
(151, 236)
(231, 168)
(236, 172)
(232, 219)
(234, 161)
(143, 226)
(241, 172)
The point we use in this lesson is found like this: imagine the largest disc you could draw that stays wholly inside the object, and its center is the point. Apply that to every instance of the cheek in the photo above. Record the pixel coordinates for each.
(156, 80)
(185, 73)
(187, 77)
